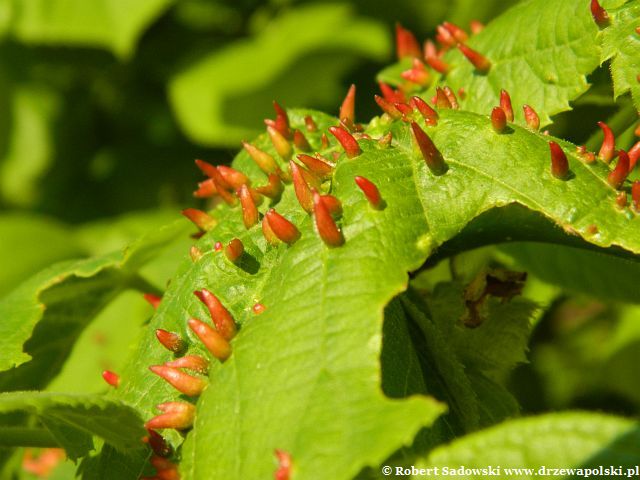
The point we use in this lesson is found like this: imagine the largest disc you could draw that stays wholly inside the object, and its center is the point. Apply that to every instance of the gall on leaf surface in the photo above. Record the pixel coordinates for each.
(303, 375)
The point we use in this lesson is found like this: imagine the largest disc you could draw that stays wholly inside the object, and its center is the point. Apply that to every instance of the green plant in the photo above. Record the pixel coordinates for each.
(356, 320)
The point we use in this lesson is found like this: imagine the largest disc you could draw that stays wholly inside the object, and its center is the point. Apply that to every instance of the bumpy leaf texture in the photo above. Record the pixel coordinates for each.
(304, 374)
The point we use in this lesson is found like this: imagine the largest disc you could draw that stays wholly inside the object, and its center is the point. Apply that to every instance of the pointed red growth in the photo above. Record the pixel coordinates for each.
(274, 187)
(498, 119)
(634, 154)
(158, 444)
(619, 174)
(221, 317)
(333, 205)
(417, 74)
(444, 37)
(300, 141)
(218, 246)
(311, 178)
(280, 143)
(233, 177)
(635, 194)
(310, 124)
(430, 153)
(282, 228)
(212, 340)
(599, 14)
(451, 96)
(505, 103)
(387, 107)
(111, 378)
(301, 188)
(621, 199)
(389, 94)
(607, 150)
(370, 191)
(284, 465)
(206, 189)
(406, 43)
(326, 227)
(476, 26)
(531, 117)
(318, 165)
(183, 382)
(206, 168)
(234, 250)
(250, 215)
(479, 61)
(191, 362)
(178, 415)
(265, 162)
(437, 64)
(459, 34)
(171, 341)
(405, 109)
(271, 237)
(258, 308)
(429, 114)
(348, 142)
(281, 123)
(559, 162)
(348, 108)
(201, 219)
(442, 100)
(154, 300)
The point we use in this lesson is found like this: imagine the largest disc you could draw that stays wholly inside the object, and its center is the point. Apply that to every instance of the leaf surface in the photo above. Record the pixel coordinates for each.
(73, 419)
(563, 440)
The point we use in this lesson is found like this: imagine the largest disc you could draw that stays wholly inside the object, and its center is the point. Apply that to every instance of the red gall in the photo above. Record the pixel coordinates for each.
(171, 341)
(559, 162)
(282, 228)
(325, 225)
(348, 142)
(211, 339)
(607, 149)
(221, 317)
(181, 381)
(370, 191)
(432, 156)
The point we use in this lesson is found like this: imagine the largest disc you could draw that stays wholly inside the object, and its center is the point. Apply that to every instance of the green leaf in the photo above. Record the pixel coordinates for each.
(113, 24)
(221, 98)
(540, 51)
(22, 237)
(620, 44)
(310, 362)
(45, 314)
(578, 270)
(562, 441)
(73, 419)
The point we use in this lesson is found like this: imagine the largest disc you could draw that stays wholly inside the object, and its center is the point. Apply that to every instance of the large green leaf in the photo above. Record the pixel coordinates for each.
(620, 44)
(221, 98)
(540, 51)
(578, 270)
(113, 24)
(310, 362)
(71, 420)
(555, 441)
(44, 315)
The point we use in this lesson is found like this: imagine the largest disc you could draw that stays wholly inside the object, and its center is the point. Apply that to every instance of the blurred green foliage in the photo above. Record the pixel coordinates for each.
(104, 104)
